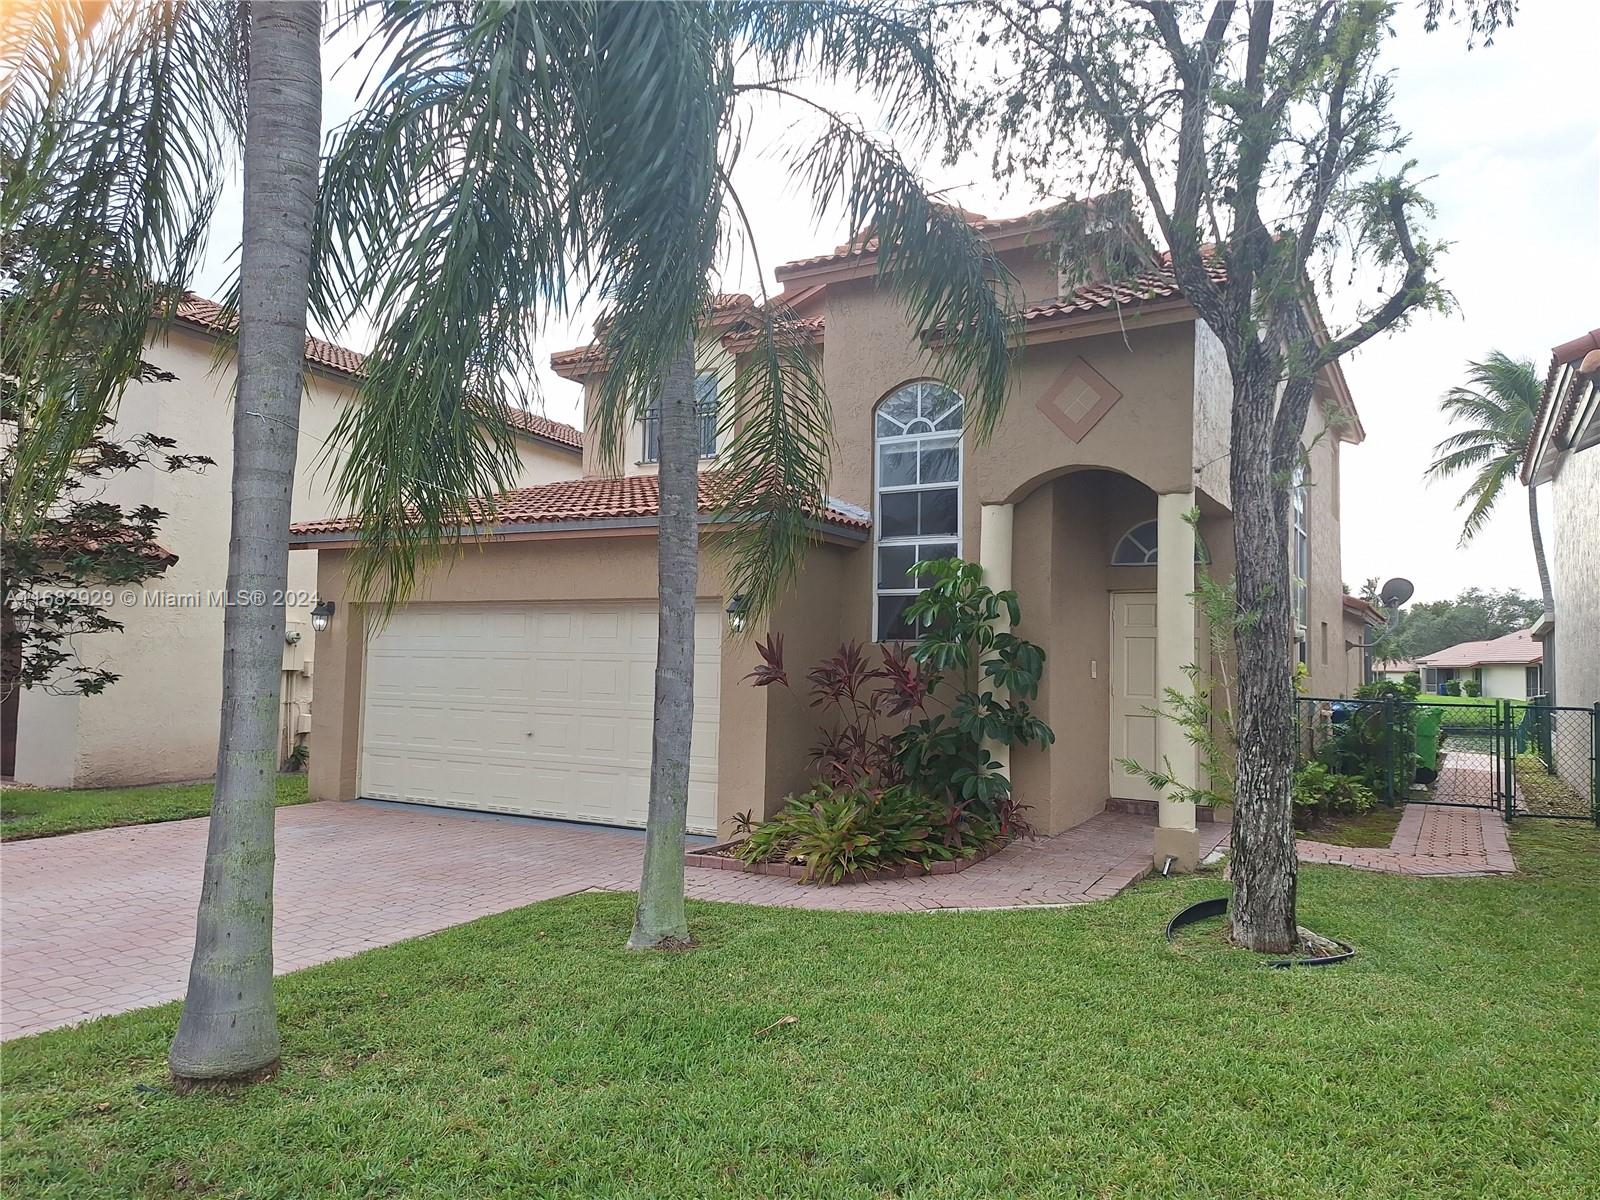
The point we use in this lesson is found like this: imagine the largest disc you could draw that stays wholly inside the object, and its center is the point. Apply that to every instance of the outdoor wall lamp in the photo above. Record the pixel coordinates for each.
(322, 615)
(738, 612)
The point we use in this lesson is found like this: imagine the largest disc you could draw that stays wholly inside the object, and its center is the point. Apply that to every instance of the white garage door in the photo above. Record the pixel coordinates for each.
(538, 709)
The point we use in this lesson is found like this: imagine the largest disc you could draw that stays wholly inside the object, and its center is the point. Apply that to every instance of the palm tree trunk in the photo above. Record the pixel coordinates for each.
(229, 1028)
(1546, 593)
(659, 921)
(1262, 859)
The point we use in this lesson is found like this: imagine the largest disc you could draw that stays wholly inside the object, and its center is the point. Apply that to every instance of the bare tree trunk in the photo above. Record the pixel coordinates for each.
(659, 921)
(229, 1028)
(1262, 860)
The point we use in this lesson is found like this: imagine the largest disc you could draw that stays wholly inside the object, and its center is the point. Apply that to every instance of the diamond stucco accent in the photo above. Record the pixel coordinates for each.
(1077, 399)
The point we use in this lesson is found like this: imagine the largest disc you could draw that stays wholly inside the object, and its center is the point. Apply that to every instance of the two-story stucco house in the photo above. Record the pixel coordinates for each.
(520, 679)
(1564, 453)
(159, 721)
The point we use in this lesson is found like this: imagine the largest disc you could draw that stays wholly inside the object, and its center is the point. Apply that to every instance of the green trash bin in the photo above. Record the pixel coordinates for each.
(1429, 718)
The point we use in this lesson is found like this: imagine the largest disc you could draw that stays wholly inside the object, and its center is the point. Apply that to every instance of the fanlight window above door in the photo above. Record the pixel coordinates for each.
(1138, 547)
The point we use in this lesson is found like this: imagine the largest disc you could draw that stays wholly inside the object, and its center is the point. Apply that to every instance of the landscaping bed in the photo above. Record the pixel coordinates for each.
(724, 857)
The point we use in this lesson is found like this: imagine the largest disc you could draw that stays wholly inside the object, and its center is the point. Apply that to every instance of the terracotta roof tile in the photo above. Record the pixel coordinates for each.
(1154, 283)
(1514, 649)
(803, 329)
(213, 317)
(1369, 613)
(593, 500)
(724, 305)
(865, 243)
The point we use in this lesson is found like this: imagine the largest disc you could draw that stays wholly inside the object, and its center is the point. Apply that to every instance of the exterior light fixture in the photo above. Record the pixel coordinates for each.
(738, 611)
(322, 615)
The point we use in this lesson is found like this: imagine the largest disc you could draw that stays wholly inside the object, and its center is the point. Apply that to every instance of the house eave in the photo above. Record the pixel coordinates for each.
(520, 531)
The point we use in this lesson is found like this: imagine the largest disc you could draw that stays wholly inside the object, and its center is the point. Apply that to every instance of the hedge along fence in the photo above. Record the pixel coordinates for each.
(1469, 712)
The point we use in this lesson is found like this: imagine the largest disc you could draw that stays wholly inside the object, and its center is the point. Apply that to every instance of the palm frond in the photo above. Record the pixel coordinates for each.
(662, 90)
(444, 212)
(953, 288)
(1485, 492)
(1457, 458)
(115, 130)
(777, 463)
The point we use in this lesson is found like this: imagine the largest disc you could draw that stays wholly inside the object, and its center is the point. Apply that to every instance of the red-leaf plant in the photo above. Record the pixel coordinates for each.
(858, 753)
(855, 751)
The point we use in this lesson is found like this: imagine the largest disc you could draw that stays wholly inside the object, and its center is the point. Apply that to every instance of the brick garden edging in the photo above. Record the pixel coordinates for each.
(708, 857)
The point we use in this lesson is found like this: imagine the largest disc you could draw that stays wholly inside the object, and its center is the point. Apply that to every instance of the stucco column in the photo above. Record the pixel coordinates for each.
(994, 556)
(338, 665)
(1176, 836)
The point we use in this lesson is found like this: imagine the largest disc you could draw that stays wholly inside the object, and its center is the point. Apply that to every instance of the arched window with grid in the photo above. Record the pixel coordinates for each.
(917, 457)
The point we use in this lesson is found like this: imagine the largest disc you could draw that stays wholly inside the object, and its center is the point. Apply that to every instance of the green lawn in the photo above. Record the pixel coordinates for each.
(42, 812)
(1055, 1053)
(1374, 827)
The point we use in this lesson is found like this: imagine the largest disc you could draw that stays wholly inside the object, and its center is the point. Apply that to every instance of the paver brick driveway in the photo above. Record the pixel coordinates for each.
(102, 922)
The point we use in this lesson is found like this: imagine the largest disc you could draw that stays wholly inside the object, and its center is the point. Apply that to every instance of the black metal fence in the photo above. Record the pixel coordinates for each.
(1556, 753)
(1525, 759)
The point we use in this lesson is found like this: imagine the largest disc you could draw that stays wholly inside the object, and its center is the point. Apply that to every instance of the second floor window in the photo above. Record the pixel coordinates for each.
(917, 446)
(707, 406)
(1300, 569)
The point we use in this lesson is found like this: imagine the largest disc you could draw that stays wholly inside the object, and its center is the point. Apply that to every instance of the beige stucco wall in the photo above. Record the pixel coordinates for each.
(710, 355)
(1574, 503)
(1325, 600)
(1355, 634)
(159, 721)
(1504, 682)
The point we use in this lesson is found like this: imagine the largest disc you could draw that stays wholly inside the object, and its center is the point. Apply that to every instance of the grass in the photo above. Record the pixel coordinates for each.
(1543, 791)
(46, 812)
(1053, 1053)
(1375, 827)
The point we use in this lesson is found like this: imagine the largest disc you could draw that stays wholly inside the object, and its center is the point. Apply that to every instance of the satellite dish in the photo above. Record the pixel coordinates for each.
(1395, 593)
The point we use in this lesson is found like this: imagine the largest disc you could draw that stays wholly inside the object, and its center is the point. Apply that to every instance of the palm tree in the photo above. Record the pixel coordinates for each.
(513, 155)
(229, 1027)
(1500, 403)
(118, 125)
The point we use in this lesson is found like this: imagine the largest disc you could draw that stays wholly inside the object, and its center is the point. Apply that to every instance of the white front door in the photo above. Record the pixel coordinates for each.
(1134, 692)
(539, 709)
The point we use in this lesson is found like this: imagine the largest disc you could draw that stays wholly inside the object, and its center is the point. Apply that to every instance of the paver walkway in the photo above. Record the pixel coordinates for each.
(102, 922)
(1430, 840)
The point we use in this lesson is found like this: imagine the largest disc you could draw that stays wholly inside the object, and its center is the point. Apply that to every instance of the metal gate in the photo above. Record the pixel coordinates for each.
(1556, 760)
(1524, 760)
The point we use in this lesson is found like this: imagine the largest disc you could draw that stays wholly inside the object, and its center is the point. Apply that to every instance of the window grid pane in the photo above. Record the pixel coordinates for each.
(918, 460)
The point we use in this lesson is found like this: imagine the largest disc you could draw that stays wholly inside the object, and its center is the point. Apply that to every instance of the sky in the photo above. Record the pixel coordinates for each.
(1508, 136)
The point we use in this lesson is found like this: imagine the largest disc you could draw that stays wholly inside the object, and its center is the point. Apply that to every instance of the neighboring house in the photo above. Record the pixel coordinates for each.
(1564, 453)
(1508, 667)
(159, 721)
(520, 679)
(1396, 671)
(1362, 621)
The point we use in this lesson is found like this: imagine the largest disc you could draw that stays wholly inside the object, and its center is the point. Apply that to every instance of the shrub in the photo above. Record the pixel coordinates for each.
(1319, 793)
(1471, 687)
(835, 832)
(1376, 743)
(934, 770)
(1452, 687)
(1412, 680)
